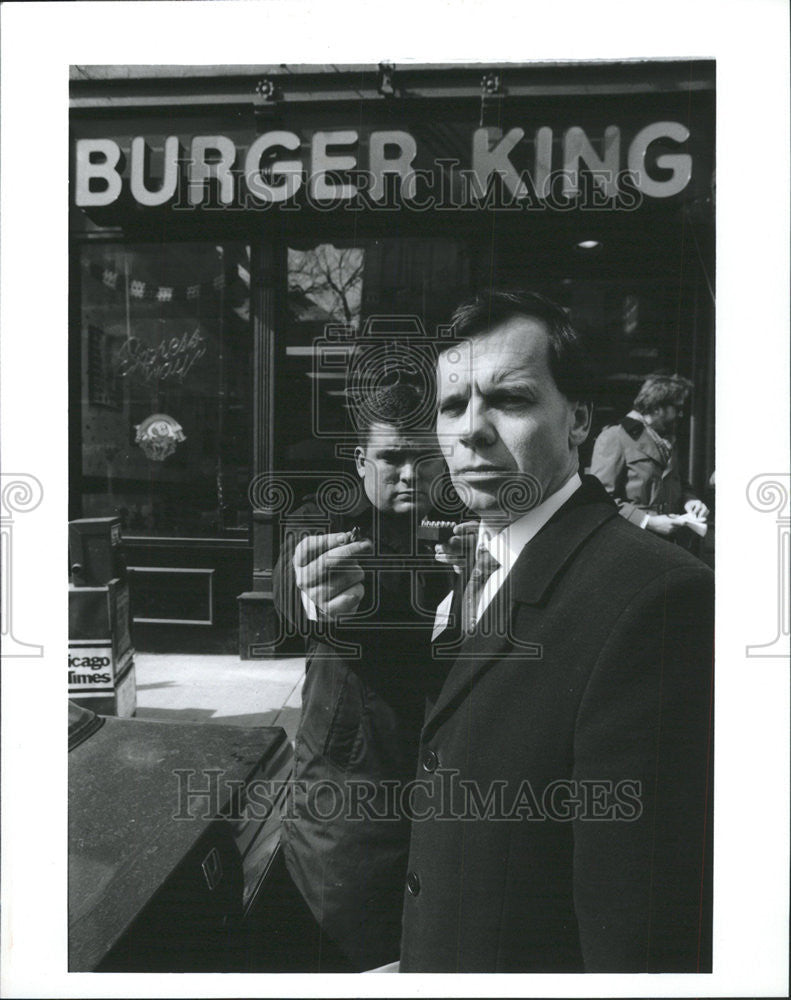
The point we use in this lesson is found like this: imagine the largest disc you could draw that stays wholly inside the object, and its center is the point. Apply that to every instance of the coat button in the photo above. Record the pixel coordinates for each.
(413, 883)
(430, 761)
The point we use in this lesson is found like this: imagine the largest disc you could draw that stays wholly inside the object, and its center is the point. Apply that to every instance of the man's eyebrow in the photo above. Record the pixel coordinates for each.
(452, 395)
(513, 377)
(388, 449)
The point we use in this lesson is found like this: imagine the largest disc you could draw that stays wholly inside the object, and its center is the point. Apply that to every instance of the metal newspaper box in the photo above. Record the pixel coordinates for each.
(101, 667)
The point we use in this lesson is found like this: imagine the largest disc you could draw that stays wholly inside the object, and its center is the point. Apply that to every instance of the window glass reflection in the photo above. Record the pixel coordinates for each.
(166, 387)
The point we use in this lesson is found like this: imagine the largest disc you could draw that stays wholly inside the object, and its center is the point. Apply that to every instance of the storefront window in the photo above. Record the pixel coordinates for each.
(325, 283)
(166, 387)
(398, 285)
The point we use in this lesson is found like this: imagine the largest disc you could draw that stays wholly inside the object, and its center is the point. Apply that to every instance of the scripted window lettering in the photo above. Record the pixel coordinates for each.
(170, 359)
(166, 340)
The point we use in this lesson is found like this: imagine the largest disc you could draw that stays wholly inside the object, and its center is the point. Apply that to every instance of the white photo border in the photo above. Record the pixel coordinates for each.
(749, 41)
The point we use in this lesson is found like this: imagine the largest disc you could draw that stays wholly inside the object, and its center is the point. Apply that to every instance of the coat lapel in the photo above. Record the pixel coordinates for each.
(529, 582)
(671, 465)
(648, 446)
(468, 656)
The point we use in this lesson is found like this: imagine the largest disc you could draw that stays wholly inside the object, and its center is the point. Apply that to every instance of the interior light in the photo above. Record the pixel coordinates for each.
(588, 244)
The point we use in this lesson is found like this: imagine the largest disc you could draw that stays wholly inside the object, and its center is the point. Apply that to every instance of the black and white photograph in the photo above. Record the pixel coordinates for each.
(407, 469)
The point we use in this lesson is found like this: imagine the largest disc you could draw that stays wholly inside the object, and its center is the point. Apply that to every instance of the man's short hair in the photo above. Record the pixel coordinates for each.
(569, 362)
(400, 404)
(662, 390)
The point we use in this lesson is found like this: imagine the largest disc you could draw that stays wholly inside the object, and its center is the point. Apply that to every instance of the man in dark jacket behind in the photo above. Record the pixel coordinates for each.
(355, 585)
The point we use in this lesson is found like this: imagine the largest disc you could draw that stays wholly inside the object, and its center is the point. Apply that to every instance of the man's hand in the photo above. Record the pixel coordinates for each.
(663, 524)
(697, 509)
(459, 549)
(327, 572)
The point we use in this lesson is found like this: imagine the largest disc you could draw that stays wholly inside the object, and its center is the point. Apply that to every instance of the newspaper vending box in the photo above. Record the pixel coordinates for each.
(101, 657)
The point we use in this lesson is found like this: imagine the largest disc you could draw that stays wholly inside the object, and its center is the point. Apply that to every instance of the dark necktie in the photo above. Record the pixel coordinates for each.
(485, 565)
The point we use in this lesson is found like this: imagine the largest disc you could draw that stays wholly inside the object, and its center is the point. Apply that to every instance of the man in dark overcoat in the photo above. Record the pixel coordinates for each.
(355, 584)
(564, 822)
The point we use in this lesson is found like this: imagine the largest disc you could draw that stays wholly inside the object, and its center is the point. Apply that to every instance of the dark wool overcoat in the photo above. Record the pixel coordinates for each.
(565, 766)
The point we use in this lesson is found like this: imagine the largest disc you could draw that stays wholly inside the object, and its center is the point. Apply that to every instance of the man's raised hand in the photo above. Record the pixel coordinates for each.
(328, 573)
(459, 549)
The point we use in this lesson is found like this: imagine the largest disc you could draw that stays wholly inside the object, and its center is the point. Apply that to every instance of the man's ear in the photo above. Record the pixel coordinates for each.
(582, 416)
(359, 460)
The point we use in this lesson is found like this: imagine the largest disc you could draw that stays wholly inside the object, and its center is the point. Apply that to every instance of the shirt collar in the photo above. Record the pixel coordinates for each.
(506, 546)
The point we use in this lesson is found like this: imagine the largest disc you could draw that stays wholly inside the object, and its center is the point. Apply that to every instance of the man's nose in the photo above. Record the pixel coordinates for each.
(478, 430)
(407, 472)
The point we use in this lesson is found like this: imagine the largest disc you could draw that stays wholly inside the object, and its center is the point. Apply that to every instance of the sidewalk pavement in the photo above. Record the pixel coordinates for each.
(219, 689)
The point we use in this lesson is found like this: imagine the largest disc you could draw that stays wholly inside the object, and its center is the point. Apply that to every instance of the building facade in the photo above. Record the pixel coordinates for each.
(233, 229)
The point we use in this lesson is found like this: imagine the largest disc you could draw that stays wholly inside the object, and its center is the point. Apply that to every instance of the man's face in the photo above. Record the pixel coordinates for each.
(665, 418)
(501, 415)
(397, 470)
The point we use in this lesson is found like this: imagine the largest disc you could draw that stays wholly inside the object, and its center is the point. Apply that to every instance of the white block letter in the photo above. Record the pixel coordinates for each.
(88, 169)
(290, 169)
(321, 162)
(576, 147)
(137, 171)
(200, 171)
(486, 161)
(679, 163)
(380, 165)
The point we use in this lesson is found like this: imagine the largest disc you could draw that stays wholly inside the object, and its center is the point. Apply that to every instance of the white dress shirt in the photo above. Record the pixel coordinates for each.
(506, 546)
(310, 608)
